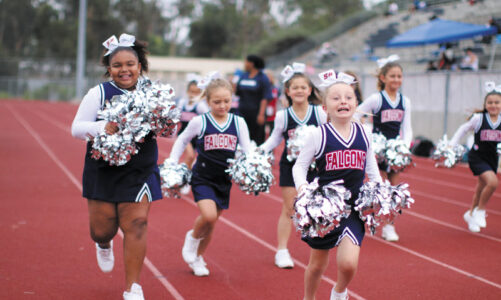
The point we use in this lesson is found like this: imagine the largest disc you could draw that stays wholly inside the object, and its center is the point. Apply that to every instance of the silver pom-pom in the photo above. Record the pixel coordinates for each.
(149, 108)
(446, 155)
(174, 177)
(380, 203)
(297, 141)
(379, 146)
(252, 171)
(320, 209)
(498, 148)
(397, 155)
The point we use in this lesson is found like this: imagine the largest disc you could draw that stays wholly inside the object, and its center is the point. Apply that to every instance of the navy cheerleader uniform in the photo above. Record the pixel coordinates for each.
(128, 183)
(387, 120)
(483, 155)
(346, 160)
(215, 145)
(291, 123)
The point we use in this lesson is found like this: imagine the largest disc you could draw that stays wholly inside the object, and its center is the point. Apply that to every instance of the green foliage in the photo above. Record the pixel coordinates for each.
(280, 41)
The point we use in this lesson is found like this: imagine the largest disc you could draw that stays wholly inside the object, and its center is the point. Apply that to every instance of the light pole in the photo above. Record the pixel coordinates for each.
(82, 24)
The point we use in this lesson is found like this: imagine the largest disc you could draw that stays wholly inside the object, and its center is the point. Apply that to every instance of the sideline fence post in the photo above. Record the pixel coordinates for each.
(446, 105)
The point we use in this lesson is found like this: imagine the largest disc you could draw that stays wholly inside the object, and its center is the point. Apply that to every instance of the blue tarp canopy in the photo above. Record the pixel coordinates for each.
(439, 31)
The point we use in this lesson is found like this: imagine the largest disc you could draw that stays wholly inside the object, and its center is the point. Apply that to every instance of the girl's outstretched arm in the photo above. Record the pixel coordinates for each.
(193, 130)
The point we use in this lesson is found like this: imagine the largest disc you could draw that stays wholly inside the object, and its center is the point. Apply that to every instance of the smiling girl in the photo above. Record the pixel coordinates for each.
(217, 134)
(483, 158)
(391, 117)
(118, 197)
(301, 95)
(340, 136)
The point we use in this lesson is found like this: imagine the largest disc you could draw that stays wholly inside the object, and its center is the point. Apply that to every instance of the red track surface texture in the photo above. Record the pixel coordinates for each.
(46, 251)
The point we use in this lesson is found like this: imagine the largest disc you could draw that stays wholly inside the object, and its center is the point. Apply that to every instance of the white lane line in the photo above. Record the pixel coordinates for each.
(449, 201)
(268, 246)
(443, 183)
(170, 288)
(427, 258)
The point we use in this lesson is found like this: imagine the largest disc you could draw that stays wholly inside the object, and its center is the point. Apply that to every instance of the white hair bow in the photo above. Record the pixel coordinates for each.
(289, 71)
(383, 61)
(204, 82)
(490, 86)
(330, 77)
(126, 40)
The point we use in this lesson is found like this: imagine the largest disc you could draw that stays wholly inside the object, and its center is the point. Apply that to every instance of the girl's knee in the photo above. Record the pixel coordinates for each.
(493, 183)
(348, 266)
(102, 236)
(137, 226)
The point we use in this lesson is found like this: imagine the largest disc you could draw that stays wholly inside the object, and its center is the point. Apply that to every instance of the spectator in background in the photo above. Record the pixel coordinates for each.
(254, 91)
(431, 66)
(393, 8)
(470, 61)
(447, 59)
(271, 107)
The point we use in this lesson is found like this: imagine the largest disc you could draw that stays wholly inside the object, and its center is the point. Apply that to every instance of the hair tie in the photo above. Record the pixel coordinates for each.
(490, 87)
(112, 43)
(330, 77)
(289, 71)
(384, 61)
(204, 82)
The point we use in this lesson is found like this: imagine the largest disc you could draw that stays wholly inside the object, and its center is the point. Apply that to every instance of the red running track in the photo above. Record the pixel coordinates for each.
(46, 251)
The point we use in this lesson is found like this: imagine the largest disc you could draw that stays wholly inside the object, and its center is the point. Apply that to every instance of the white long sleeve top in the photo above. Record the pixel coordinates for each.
(195, 128)
(85, 123)
(313, 145)
(473, 124)
(372, 105)
(276, 136)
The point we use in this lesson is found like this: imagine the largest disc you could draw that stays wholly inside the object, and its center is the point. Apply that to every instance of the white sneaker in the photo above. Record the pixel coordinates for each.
(105, 258)
(136, 293)
(190, 247)
(283, 259)
(479, 217)
(199, 267)
(389, 233)
(339, 296)
(185, 190)
(472, 225)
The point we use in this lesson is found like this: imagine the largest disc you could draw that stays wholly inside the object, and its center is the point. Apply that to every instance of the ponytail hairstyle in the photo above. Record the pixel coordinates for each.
(383, 71)
(315, 96)
(356, 87)
(126, 43)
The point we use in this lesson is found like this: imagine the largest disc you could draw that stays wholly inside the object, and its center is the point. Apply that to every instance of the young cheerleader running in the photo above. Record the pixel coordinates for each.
(118, 197)
(391, 117)
(330, 145)
(483, 158)
(217, 134)
(301, 94)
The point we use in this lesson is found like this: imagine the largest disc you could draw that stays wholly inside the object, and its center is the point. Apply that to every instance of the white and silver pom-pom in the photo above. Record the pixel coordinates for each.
(380, 203)
(319, 210)
(149, 108)
(379, 146)
(297, 141)
(498, 148)
(174, 177)
(446, 155)
(252, 170)
(397, 155)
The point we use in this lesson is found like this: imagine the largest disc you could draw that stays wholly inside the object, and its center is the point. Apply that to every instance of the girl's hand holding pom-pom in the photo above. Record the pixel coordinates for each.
(174, 177)
(320, 209)
(379, 203)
